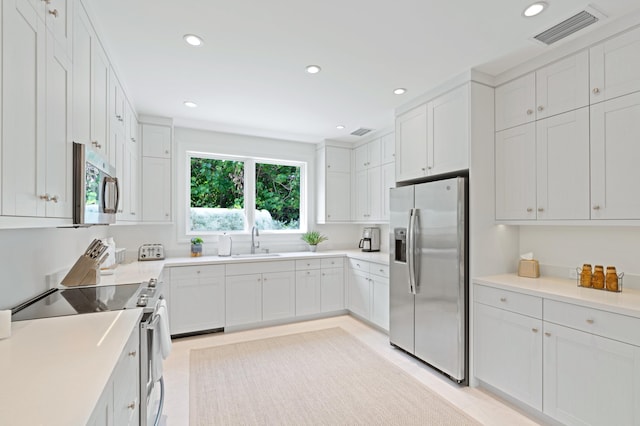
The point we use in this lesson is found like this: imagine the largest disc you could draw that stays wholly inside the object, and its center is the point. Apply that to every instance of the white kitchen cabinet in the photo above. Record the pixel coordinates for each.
(132, 180)
(590, 379)
(103, 411)
(615, 155)
(508, 352)
(156, 141)
(197, 298)
(515, 154)
(59, 20)
(243, 299)
(367, 155)
(369, 291)
(562, 162)
(100, 72)
(379, 296)
(556, 88)
(278, 295)
(388, 179)
(332, 285)
(156, 189)
(359, 293)
(308, 292)
(368, 195)
(84, 38)
(448, 132)
(333, 192)
(388, 148)
(615, 67)
(411, 144)
(131, 124)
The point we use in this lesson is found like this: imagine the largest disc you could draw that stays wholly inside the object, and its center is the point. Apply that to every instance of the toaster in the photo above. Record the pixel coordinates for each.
(151, 252)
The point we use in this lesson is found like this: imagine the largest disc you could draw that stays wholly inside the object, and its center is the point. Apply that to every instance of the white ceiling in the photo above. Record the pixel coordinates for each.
(249, 76)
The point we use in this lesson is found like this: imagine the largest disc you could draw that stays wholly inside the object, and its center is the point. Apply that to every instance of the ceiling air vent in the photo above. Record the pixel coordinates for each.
(361, 131)
(567, 27)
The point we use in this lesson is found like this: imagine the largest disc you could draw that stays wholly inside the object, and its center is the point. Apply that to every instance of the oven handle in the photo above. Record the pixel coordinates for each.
(153, 324)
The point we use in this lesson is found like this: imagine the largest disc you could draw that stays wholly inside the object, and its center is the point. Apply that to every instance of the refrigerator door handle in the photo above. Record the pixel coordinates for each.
(411, 251)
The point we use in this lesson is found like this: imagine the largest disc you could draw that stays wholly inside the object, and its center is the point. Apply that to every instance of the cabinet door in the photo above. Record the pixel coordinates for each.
(338, 159)
(362, 196)
(388, 182)
(563, 86)
(332, 289)
(380, 301)
(278, 295)
(100, 70)
(361, 157)
(508, 353)
(126, 391)
(590, 379)
(308, 294)
(117, 101)
(359, 293)
(374, 153)
(615, 155)
(132, 176)
(156, 189)
(58, 183)
(118, 148)
(58, 19)
(516, 173)
(338, 196)
(563, 166)
(197, 298)
(448, 136)
(83, 38)
(243, 299)
(103, 411)
(156, 141)
(388, 148)
(23, 110)
(516, 102)
(374, 183)
(411, 144)
(615, 67)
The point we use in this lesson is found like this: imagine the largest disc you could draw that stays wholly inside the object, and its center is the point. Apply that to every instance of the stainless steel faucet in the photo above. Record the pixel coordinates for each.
(254, 244)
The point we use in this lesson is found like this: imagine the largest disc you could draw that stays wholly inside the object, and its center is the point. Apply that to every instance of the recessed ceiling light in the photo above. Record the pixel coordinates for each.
(400, 91)
(339, 127)
(193, 40)
(534, 9)
(190, 104)
(313, 69)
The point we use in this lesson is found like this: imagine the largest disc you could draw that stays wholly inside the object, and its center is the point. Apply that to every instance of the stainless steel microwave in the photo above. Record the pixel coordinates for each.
(96, 192)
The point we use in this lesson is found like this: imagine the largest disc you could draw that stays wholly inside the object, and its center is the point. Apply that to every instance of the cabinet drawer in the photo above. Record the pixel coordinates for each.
(193, 272)
(379, 269)
(606, 324)
(260, 267)
(509, 300)
(359, 265)
(303, 265)
(332, 262)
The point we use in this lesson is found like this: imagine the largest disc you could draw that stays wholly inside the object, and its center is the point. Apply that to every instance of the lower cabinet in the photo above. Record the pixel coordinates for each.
(197, 298)
(369, 291)
(120, 400)
(308, 292)
(332, 285)
(278, 295)
(243, 299)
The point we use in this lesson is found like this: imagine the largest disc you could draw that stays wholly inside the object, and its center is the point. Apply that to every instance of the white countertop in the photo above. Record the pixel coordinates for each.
(133, 272)
(54, 370)
(566, 290)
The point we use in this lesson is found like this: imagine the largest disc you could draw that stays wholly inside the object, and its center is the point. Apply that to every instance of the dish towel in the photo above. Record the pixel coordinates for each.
(161, 344)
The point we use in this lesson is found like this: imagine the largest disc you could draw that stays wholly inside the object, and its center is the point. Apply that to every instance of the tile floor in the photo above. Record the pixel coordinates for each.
(475, 402)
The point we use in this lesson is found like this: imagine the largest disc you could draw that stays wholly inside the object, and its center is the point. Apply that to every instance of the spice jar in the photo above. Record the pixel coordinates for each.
(597, 280)
(611, 279)
(585, 275)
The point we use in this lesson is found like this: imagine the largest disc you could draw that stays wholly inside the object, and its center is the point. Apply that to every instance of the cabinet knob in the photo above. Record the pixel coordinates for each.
(540, 108)
(541, 209)
(133, 353)
(590, 321)
(132, 406)
(529, 111)
(55, 198)
(166, 215)
(529, 210)
(197, 272)
(96, 144)
(166, 151)
(547, 334)
(54, 12)
(328, 166)
(264, 279)
(423, 169)
(308, 273)
(45, 197)
(596, 90)
(323, 274)
(503, 299)
(535, 330)
(596, 207)
(429, 167)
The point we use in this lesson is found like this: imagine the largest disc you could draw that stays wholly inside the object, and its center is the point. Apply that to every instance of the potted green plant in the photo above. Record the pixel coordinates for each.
(313, 238)
(196, 246)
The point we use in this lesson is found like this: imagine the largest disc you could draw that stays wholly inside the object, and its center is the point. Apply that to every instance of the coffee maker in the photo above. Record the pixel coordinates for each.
(370, 239)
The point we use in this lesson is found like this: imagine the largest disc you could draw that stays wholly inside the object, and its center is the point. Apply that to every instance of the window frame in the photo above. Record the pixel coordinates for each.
(249, 190)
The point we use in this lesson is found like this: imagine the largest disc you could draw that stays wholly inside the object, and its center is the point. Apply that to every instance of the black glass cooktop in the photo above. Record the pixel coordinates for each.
(80, 300)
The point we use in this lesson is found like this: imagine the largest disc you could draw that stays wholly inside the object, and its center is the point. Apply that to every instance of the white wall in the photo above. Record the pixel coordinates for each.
(27, 256)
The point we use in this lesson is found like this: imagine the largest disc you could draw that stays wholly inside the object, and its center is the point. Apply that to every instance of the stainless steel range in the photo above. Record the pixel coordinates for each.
(147, 295)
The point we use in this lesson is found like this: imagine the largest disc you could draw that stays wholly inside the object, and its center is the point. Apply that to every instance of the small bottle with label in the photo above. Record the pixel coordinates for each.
(611, 279)
(585, 275)
(597, 280)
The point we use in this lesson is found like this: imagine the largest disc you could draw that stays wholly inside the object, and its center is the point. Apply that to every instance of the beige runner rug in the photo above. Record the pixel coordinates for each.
(324, 377)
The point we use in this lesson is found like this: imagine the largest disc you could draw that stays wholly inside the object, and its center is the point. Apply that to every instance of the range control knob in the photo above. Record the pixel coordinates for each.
(142, 301)
(153, 282)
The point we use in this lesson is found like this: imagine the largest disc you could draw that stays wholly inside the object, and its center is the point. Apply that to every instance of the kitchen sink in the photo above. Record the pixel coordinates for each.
(253, 256)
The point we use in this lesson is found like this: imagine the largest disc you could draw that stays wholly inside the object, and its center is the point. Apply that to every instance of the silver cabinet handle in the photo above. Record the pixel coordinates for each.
(529, 210)
(596, 90)
(547, 334)
(529, 111)
(540, 108)
(166, 151)
(423, 169)
(590, 321)
(45, 197)
(596, 207)
(54, 12)
(55, 198)
(540, 209)
(429, 167)
(535, 330)
(132, 406)
(133, 353)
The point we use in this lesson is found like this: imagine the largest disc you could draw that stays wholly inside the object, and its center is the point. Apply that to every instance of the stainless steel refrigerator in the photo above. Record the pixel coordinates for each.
(429, 283)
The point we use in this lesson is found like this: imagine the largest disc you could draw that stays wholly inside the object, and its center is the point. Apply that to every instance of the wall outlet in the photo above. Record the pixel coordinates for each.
(573, 273)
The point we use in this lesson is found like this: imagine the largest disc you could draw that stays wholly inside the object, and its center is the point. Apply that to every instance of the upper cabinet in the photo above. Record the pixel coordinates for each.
(411, 144)
(59, 20)
(615, 67)
(556, 88)
(156, 141)
(367, 155)
(333, 192)
(156, 173)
